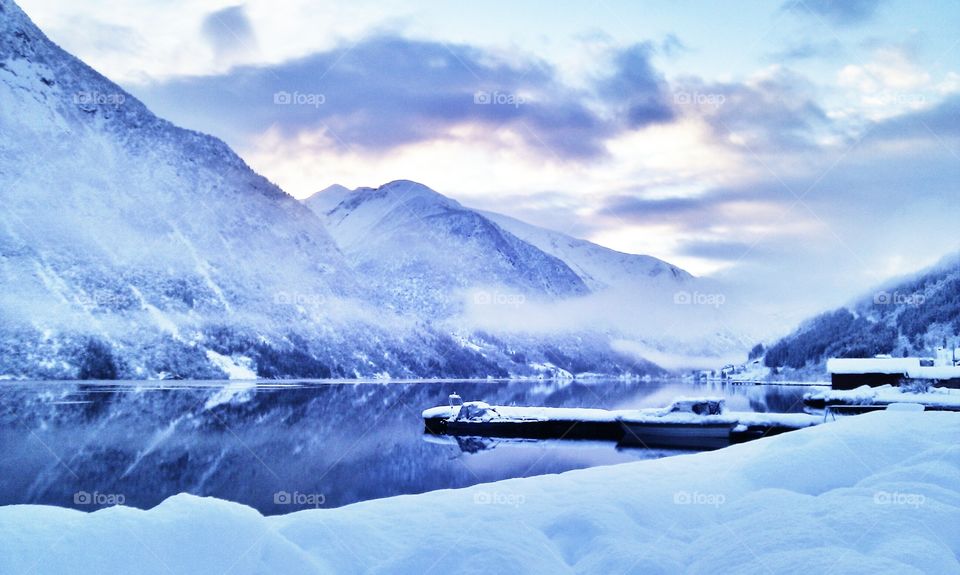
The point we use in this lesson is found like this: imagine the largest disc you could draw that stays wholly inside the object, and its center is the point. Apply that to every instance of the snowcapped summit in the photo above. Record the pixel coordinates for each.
(356, 217)
(394, 192)
(398, 202)
(327, 198)
(406, 191)
(425, 251)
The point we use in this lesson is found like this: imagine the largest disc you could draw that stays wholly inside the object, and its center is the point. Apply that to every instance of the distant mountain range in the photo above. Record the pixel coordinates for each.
(477, 269)
(132, 248)
(907, 317)
(421, 249)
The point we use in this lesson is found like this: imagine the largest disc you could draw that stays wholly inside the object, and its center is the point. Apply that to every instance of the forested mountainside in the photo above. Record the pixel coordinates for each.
(911, 317)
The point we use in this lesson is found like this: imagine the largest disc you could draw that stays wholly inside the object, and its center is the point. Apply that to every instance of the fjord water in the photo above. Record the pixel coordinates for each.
(284, 446)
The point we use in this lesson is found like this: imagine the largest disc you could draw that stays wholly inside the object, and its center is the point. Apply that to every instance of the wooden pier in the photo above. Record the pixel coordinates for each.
(670, 427)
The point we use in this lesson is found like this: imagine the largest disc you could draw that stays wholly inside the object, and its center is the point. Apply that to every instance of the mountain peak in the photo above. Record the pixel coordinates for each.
(403, 189)
(424, 247)
(407, 186)
(327, 199)
(334, 189)
(413, 198)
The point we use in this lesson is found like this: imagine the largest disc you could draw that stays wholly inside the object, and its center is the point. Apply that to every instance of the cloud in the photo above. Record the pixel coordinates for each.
(717, 249)
(658, 210)
(388, 91)
(712, 217)
(838, 12)
(891, 69)
(774, 111)
(790, 242)
(635, 89)
(672, 45)
(229, 31)
(939, 122)
(807, 49)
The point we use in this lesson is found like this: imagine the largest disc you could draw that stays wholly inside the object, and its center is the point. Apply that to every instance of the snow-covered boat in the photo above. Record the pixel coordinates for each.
(686, 423)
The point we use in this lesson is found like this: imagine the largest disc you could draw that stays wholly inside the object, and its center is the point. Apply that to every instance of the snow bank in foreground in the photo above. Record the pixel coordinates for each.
(876, 493)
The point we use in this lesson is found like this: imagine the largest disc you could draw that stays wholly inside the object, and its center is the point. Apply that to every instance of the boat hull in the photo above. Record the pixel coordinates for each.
(555, 429)
(678, 435)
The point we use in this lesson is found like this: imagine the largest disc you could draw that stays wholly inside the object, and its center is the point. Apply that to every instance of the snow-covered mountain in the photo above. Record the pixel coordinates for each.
(427, 252)
(133, 248)
(130, 247)
(120, 226)
(600, 268)
(487, 271)
(662, 311)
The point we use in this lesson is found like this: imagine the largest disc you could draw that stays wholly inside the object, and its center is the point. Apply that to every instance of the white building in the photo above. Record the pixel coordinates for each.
(849, 373)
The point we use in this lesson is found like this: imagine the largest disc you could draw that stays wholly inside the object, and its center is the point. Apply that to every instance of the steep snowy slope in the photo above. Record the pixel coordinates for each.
(599, 267)
(142, 244)
(429, 253)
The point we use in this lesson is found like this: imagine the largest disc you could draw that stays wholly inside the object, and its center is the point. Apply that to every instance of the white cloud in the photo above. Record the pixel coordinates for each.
(889, 85)
(169, 33)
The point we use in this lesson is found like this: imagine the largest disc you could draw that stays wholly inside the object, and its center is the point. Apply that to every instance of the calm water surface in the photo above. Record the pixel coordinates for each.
(287, 446)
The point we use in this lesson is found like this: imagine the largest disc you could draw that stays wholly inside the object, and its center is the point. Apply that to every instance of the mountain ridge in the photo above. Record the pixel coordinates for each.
(906, 316)
(419, 242)
(330, 200)
(561, 245)
(645, 305)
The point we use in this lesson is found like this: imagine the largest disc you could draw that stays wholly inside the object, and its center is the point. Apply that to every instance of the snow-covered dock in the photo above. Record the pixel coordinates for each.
(700, 423)
(871, 398)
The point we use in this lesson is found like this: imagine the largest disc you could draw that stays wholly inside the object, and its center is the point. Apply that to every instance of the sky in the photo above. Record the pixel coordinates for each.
(800, 151)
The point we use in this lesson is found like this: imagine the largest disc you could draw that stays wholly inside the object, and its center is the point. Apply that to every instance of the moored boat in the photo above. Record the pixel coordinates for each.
(687, 423)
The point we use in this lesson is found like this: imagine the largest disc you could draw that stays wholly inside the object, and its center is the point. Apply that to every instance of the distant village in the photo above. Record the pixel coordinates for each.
(849, 373)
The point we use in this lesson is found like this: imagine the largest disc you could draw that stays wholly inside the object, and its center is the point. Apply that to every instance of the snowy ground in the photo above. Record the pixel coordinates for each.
(876, 493)
(886, 394)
